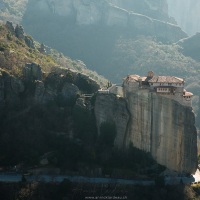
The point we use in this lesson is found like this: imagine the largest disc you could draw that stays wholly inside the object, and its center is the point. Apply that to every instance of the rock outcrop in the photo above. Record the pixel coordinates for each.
(10, 27)
(69, 91)
(62, 86)
(29, 41)
(186, 13)
(154, 124)
(32, 71)
(19, 32)
(110, 108)
(102, 12)
(157, 9)
(10, 89)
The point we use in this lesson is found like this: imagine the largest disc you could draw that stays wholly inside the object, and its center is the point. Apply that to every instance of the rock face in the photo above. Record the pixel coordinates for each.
(10, 89)
(157, 9)
(186, 13)
(19, 32)
(109, 108)
(29, 42)
(32, 71)
(10, 27)
(154, 124)
(88, 12)
(69, 91)
(62, 86)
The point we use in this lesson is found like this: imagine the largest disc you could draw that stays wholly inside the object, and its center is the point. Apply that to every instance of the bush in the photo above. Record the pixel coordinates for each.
(9, 36)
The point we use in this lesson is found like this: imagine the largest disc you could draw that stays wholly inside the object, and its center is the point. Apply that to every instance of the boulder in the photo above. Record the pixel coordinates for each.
(69, 91)
(19, 32)
(68, 94)
(32, 71)
(29, 42)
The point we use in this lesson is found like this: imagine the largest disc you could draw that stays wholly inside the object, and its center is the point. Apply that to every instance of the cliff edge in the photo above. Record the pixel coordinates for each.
(154, 123)
(90, 13)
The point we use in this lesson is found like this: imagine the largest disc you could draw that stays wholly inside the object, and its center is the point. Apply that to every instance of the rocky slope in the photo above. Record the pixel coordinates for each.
(37, 98)
(154, 124)
(45, 117)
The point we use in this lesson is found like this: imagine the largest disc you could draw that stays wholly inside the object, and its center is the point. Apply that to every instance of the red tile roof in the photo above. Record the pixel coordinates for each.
(166, 79)
(188, 94)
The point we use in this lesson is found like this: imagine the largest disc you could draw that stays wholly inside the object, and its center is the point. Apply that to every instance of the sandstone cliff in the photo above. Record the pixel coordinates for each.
(62, 86)
(157, 9)
(109, 108)
(154, 124)
(182, 12)
(87, 12)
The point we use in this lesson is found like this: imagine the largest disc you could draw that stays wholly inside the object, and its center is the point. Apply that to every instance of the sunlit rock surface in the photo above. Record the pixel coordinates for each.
(88, 12)
(154, 124)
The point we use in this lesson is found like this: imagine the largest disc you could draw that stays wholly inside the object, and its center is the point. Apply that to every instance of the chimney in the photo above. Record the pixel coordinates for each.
(150, 74)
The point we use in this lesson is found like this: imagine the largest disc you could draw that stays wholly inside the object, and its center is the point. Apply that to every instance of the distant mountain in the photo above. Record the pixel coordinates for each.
(186, 13)
(92, 30)
(157, 9)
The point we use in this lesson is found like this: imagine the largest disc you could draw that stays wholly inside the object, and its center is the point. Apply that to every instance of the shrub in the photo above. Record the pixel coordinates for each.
(9, 36)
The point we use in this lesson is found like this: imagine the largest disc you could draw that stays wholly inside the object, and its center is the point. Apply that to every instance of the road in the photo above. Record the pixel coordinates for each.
(79, 179)
(8, 177)
(187, 180)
